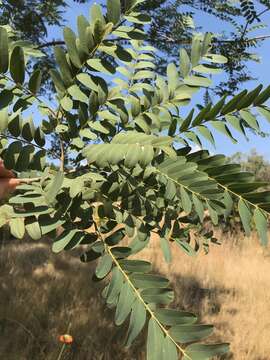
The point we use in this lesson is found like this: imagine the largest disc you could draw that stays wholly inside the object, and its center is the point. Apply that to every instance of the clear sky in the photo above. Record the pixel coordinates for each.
(259, 70)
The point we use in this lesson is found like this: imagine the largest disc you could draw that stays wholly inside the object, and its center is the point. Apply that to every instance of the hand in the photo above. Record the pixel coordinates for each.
(8, 182)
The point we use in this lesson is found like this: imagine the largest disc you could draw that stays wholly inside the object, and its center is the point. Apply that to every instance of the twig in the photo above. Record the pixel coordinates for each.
(28, 92)
(50, 43)
(62, 158)
(256, 38)
(29, 143)
(263, 12)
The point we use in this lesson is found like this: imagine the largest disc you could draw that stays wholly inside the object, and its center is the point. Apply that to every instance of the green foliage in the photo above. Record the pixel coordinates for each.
(172, 26)
(132, 172)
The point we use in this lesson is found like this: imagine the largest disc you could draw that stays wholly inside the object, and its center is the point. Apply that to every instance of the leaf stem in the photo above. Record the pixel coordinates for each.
(27, 91)
(147, 307)
(29, 143)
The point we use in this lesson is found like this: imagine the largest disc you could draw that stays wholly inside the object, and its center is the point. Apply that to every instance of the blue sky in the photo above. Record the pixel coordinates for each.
(259, 70)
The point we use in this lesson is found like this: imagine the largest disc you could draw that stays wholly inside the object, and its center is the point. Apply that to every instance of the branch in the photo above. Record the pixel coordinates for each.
(28, 92)
(256, 38)
(50, 43)
(263, 12)
(138, 295)
(62, 158)
(29, 143)
(188, 42)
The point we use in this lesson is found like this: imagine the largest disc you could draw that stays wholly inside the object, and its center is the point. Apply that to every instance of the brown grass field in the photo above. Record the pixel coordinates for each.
(41, 294)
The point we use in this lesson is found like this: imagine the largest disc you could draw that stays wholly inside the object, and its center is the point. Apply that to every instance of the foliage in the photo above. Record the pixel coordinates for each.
(173, 25)
(126, 123)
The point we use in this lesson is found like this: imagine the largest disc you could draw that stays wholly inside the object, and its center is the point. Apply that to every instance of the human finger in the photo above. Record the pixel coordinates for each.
(4, 173)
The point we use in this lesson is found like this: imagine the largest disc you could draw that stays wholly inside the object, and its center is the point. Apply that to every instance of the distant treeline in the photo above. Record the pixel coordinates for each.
(254, 163)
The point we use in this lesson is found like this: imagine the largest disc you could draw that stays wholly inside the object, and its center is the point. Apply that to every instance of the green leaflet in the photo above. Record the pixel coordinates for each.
(76, 93)
(250, 119)
(248, 99)
(136, 322)
(186, 202)
(265, 111)
(99, 31)
(57, 80)
(169, 350)
(165, 247)
(171, 317)
(216, 59)
(173, 77)
(115, 286)
(100, 65)
(96, 14)
(145, 281)
(195, 80)
(124, 305)
(207, 69)
(17, 227)
(63, 240)
(223, 129)
(25, 157)
(137, 266)
(189, 333)
(232, 104)
(66, 103)
(12, 154)
(236, 123)
(6, 97)
(33, 230)
(28, 129)
(261, 224)
(205, 132)
(88, 81)
(162, 296)
(199, 207)
(35, 81)
(196, 49)
(263, 97)
(104, 266)
(215, 109)
(155, 340)
(94, 253)
(213, 214)
(17, 65)
(54, 187)
(245, 215)
(82, 25)
(186, 247)
(3, 120)
(113, 11)
(4, 54)
(64, 67)
(205, 352)
(70, 40)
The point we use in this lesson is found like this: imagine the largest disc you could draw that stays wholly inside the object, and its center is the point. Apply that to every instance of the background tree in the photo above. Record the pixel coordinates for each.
(254, 163)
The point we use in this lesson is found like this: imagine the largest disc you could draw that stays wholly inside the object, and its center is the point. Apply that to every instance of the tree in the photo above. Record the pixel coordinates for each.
(133, 173)
(172, 26)
(254, 163)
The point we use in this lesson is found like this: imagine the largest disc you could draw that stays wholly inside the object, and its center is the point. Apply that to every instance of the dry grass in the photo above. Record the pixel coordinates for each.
(42, 293)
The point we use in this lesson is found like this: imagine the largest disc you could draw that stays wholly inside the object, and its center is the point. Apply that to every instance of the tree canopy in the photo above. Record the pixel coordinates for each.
(172, 26)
